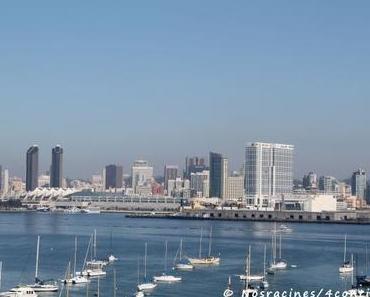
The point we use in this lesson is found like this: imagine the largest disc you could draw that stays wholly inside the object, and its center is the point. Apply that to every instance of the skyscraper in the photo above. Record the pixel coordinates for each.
(1, 178)
(56, 169)
(359, 184)
(218, 173)
(328, 184)
(170, 173)
(32, 168)
(268, 170)
(113, 177)
(5, 188)
(142, 174)
(194, 165)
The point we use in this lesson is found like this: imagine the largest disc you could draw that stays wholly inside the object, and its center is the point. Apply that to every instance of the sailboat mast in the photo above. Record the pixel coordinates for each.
(180, 256)
(87, 253)
(114, 283)
(352, 275)
(250, 259)
(200, 243)
(145, 256)
(37, 257)
(345, 248)
(264, 261)
(165, 256)
(95, 244)
(280, 246)
(138, 270)
(366, 260)
(210, 243)
(75, 258)
(1, 272)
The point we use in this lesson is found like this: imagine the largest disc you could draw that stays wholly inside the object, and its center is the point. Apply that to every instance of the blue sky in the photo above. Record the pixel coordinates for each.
(113, 81)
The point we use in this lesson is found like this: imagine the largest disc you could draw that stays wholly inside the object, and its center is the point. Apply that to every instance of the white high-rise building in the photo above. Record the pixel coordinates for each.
(142, 174)
(235, 187)
(268, 170)
(199, 183)
(5, 186)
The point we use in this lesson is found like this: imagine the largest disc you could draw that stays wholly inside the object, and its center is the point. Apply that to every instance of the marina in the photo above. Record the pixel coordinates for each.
(230, 240)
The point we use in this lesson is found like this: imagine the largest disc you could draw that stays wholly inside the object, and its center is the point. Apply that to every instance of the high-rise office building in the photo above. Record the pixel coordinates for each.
(199, 183)
(170, 173)
(218, 173)
(235, 187)
(328, 184)
(194, 165)
(113, 177)
(56, 169)
(141, 174)
(359, 184)
(310, 181)
(32, 168)
(5, 189)
(268, 170)
(1, 178)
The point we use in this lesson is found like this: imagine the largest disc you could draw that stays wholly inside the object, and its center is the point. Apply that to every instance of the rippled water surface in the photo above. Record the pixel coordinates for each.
(315, 249)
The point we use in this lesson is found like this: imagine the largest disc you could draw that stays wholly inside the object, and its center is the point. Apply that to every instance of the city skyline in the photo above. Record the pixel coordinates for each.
(185, 79)
(46, 168)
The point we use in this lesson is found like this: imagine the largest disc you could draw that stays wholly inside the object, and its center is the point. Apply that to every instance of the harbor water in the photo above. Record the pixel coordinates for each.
(313, 251)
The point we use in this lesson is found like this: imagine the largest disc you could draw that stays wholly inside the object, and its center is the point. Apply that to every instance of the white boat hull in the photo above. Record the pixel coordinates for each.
(44, 288)
(251, 278)
(280, 265)
(146, 287)
(93, 273)
(185, 267)
(345, 269)
(167, 279)
(22, 291)
(205, 261)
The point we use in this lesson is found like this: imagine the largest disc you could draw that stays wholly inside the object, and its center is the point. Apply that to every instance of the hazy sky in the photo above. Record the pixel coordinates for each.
(113, 81)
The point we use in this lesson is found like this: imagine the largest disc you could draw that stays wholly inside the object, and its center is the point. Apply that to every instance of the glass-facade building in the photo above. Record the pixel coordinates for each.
(359, 184)
(218, 173)
(113, 177)
(32, 168)
(56, 169)
(268, 169)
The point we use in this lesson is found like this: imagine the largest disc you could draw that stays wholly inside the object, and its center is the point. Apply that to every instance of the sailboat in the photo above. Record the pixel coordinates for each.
(364, 280)
(276, 263)
(248, 290)
(75, 278)
(228, 292)
(265, 283)
(40, 285)
(138, 292)
(146, 286)
(251, 278)
(209, 260)
(346, 267)
(165, 278)
(180, 265)
(111, 257)
(20, 291)
(92, 268)
(94, 262)
(356, 290)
